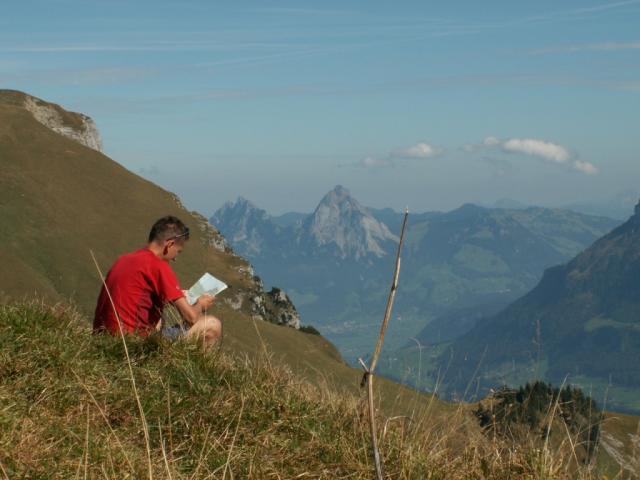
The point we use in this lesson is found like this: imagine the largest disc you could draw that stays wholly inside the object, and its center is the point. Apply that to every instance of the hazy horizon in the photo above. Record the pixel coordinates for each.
(598, 201)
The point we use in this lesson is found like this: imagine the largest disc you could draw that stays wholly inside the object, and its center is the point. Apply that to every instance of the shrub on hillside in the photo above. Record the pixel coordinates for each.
(535, 407)
(309, 329)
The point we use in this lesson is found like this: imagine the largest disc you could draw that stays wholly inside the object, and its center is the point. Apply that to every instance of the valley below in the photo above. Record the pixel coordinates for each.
(463, 273)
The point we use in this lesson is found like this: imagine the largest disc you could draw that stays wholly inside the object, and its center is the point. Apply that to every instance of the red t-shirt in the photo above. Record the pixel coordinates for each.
(140, 284)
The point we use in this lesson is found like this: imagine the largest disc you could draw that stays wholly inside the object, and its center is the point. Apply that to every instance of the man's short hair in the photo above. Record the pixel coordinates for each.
(167, 228)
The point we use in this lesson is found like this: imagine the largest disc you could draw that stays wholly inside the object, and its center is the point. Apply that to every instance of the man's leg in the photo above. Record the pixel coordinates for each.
(207, 329)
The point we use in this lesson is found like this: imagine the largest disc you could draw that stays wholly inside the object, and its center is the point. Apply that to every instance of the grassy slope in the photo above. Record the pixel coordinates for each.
(67, 408)
(59, 199)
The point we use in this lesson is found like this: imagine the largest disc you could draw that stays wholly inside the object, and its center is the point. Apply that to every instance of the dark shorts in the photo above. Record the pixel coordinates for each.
(174, 333)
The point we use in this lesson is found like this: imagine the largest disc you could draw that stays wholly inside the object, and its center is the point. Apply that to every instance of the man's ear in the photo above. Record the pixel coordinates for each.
(165, 249)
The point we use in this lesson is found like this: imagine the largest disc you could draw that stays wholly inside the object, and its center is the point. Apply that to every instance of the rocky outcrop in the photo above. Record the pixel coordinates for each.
(82, 129)
(282, 308)
(234, 302)
(274, 306)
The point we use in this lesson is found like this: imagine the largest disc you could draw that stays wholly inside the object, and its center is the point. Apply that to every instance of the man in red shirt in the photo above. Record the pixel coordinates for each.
(141, 283)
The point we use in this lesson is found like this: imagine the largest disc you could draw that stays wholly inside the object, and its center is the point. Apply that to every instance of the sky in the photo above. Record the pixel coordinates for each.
(413, 103)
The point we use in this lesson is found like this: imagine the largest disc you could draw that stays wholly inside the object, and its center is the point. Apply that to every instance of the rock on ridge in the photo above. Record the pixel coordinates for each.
(86, 133)
(275, 306)
(283, 308)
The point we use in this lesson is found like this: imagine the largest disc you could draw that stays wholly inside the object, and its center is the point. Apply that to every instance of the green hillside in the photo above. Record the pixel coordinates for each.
(579, 323)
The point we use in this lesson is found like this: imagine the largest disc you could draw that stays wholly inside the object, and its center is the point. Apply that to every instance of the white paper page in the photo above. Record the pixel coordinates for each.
(207, 285)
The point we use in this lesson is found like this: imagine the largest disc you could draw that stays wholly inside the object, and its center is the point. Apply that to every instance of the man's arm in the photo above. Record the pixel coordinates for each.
(191, 313)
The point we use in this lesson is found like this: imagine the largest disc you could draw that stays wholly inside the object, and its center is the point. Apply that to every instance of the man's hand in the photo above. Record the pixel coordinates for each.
(205, 302)
(191, 313)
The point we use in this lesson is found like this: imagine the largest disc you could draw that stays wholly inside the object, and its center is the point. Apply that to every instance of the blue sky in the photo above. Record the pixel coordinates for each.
(406, 103)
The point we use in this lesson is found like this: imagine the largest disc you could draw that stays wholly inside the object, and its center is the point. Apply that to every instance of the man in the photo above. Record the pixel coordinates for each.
(141, 283)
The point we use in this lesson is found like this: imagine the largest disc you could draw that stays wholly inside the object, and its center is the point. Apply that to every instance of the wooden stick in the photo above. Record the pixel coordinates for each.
(392, 297)
(368, 371)
(374, 430)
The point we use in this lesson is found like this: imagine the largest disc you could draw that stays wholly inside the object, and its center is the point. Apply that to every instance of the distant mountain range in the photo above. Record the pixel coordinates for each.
(581, 324)
(618, 206)
(337, 262)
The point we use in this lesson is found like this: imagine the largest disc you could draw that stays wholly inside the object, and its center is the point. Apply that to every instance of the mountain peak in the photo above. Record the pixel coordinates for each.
(468, 211)
(342, 221)
(243, 204)
(241, 208)
(340, 190)
(247, 222)
(337, 195)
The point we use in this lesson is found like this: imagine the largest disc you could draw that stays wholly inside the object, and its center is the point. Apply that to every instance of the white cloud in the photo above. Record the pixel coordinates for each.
(539, 148)
(548, 151)
(419, 150)
(585, 167)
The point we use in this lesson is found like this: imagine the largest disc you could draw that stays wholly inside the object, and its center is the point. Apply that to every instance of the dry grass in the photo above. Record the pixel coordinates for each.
(67, 410)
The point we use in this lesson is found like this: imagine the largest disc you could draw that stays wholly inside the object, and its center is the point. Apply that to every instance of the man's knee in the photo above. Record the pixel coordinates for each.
(212, 325)
(208, 327)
